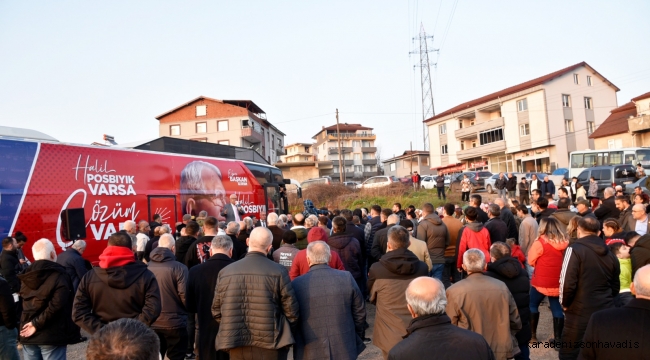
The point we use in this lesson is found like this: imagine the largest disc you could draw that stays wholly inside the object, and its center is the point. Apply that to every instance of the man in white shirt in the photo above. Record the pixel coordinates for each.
(233, 211)
(142, 238)
(641, 223)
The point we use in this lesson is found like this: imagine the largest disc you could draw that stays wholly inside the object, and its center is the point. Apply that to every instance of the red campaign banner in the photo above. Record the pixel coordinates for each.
(115, 185)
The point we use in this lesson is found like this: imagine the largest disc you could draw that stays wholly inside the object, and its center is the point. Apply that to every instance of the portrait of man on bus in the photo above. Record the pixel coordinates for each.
(202, 189)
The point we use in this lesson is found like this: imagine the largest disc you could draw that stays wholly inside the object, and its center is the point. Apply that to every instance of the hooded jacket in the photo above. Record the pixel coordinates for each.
(564, 216)
(508, 269)
(74, 264)
(171, 276)
(300, 265)
(182, 246)
(509, 218)
(472, 236)
(640, 253)
(10, 267)
(47, 303)
(434, 232)
(371, 228)
(301, 234)
(607, 210)
(498, 230)
(349, 251)
(387, 281)
(590, 277)
(119, 288)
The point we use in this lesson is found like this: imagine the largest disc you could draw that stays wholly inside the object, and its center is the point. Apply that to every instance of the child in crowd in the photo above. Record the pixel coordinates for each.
(622, 252)
(515, 251)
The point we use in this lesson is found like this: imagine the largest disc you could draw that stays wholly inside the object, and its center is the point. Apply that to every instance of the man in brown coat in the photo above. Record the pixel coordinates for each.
(434, 232)
(454, 225)
(484, 305)
(387, 280)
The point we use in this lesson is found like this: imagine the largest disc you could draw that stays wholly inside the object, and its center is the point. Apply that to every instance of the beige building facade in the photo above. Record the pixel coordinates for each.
(227, 122)
(358, 158)
(626, 126)
(532, 126)
(407, 163)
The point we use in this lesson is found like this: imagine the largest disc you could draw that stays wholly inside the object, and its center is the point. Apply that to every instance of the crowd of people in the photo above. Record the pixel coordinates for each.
(458, 282)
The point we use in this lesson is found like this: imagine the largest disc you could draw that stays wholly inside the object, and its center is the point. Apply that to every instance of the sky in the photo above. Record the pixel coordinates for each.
(76, 70)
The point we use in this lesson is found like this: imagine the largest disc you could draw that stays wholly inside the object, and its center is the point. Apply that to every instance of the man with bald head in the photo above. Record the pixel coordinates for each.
(431, 332)
(640, 220)
(607, 208)
(629, 324)
(332, 329)
(300, 230)
(255, 280)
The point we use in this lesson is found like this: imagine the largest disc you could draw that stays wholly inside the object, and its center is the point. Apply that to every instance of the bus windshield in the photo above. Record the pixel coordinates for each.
(643, 156)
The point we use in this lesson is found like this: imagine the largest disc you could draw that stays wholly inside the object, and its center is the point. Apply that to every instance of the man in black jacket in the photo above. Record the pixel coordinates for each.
(640, 250)
(119, 288)
(371, 228)
(431, 333)
(607, 208)
(508, 269)
(45, 324)
(589, 281)
(74, 264)
(171, 276)
(348, 249)
(509, 218)
(183, 243)
(495, 226)
(10, 264)
(200, 294)
(278, 232)
(627, 325)
(157, 221)
(511, 186)
(8, 322)
(584, 208)
(238, 248)
(475, 201)
(197, 252)
(625, 216)
(381, 238)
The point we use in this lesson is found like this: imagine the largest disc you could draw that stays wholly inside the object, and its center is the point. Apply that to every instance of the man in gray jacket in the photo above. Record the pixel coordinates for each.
(527, 233)
(434, 232)
(171, 325)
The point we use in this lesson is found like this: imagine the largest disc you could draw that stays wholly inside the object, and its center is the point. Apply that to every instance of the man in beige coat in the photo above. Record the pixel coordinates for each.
(484, 305)
(418, 247)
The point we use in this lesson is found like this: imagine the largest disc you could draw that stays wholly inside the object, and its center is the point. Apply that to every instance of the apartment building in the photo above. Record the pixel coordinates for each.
(228, 122)
(626, 126)
(407, 163)
(298, 152)
(358, 151)
(532, 126)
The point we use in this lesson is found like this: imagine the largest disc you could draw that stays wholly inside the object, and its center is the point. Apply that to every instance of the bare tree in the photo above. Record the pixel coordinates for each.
(380, 166)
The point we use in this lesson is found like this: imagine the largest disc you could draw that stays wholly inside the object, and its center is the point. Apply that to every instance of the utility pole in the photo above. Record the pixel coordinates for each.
(425, 81)
(411, 158)
(338, 135)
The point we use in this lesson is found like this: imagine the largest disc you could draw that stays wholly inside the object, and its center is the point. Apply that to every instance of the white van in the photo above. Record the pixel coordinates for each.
(325, 180)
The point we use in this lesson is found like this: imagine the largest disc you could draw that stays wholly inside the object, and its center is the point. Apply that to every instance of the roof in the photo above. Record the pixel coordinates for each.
(407, 154)
(616, 122)
(20, 133)
(247, 104)
(514, 89)
(299, 143)
(343, 127)
(641, 97)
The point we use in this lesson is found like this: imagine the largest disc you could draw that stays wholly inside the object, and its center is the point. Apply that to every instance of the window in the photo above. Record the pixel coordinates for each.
(524, 130)
(426, 161)
(522, 105)
(584, 176)
(588, 104)
(223, 142)
(588, 80)
(273, 142)
(576, 79)
(568, 125)
(566, 100)
(201, 128)
(462, 145)
(443, 149)
(471, 122)
(490, 136)
(443, 129)
(358, 168)
(201, 110)
(624, 172)
(473, 144)
(576, 160)
(460, 124)
(392, 166)
(222, 125)
(590, 127)
(175, 130)
(356, 143)
(357, 156)
(590, 160)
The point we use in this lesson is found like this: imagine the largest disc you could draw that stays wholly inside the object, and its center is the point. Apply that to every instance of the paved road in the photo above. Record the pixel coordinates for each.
(545, 330)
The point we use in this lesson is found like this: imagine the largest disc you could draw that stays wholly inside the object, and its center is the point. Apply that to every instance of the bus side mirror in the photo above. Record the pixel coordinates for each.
(299, 193)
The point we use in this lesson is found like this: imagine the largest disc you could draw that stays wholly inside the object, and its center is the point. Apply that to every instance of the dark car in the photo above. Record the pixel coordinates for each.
(608, 176)
(477, 178)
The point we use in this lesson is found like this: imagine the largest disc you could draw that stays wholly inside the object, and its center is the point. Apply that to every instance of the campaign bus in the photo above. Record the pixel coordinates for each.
(64, 192)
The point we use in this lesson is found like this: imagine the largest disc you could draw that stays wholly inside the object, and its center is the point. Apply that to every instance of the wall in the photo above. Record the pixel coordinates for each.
(300, 172)
(626, 138)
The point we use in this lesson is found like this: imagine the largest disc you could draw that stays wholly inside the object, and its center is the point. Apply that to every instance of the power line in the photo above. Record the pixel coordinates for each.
(451, 18)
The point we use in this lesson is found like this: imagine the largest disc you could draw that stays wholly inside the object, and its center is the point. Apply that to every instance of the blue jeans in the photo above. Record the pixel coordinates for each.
(502, 193)
(44, 352)
(536, 298)
(436, 271)
(8, 348)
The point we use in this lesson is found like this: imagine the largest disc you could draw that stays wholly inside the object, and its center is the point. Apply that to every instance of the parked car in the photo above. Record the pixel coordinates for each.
(610, 175)
(629, 188)
(477, 178)
(325, 180)
(378, 181)
(351, 184)
(563, 172)
(429, 181)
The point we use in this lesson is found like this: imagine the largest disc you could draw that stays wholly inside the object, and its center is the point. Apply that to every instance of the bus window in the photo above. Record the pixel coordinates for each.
(584, 176)
(590, 160)
(643, 156)
(616, 158)
(577, 160)
(629, 159)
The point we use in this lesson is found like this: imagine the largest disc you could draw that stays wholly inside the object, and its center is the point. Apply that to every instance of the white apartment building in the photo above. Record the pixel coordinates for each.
(532, 126)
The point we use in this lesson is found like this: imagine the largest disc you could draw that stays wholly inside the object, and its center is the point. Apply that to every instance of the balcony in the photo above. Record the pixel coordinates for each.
(324, 164)
(639, 123)
(369, 149)
(251, 135)
(335, 150)
(345, 162)
(367, 174)
(369, 161)
(472, 131)
(484, 150)
(280, 151)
